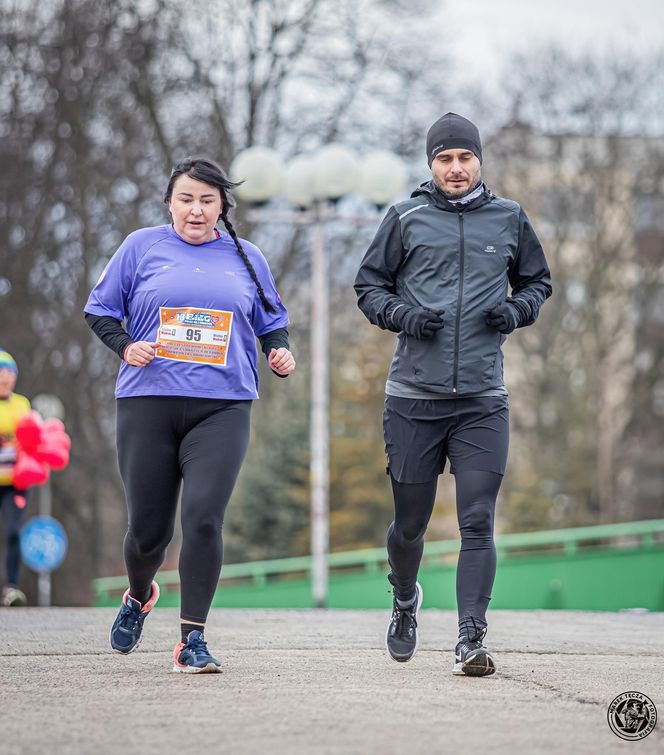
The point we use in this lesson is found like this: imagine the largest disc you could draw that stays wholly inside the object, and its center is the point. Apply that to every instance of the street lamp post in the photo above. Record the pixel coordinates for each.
(319, 437)
(313, 185)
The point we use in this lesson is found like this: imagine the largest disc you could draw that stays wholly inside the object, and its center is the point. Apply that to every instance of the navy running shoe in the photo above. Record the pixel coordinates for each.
(193, 656)
(402, 639)
(471, 657)
(127, 628)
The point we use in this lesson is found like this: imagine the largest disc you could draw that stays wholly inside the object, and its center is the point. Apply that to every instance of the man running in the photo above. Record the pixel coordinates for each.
(438, 273)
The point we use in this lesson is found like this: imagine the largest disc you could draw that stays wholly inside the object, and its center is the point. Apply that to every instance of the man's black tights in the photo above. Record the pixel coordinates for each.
(476, 493)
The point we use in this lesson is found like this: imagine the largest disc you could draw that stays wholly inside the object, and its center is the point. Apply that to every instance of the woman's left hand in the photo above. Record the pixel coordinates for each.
(281, 361)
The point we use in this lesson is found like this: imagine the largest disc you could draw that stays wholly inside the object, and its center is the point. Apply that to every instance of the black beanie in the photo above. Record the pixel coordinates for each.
(453, 131)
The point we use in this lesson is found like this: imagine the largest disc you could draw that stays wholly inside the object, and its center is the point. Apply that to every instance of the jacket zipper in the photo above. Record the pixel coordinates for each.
(455, 378)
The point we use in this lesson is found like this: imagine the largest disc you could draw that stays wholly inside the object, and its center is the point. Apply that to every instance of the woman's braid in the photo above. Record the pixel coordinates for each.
(229, 227)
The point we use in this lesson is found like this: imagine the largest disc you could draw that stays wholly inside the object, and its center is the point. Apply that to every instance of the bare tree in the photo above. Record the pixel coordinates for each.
(578, 168)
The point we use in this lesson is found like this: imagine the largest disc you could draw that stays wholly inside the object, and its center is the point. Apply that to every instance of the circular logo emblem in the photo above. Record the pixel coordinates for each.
(632, 715)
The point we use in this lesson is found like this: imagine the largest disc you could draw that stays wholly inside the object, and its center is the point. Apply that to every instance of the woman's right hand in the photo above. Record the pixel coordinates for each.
(140, 353)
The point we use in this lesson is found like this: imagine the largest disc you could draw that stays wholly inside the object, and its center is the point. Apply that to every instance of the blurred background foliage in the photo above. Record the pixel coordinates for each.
(99, 100)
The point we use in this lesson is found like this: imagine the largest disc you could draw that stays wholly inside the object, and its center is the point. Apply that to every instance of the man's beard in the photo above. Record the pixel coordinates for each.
(455, 195)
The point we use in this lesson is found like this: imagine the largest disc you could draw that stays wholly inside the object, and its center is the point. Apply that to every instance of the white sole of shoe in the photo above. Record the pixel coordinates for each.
(211, 668)
(420, 598)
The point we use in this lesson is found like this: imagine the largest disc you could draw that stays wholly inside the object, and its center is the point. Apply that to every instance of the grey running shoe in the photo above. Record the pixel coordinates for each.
(402, 639)
(471, 657)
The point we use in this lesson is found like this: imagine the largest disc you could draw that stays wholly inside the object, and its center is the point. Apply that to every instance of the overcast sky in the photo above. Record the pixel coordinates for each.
(481, 34)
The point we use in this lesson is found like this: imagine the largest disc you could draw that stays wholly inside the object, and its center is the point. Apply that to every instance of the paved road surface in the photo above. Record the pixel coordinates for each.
(315, 682)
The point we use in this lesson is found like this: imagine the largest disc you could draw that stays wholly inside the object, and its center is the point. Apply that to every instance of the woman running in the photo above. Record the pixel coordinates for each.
(193, 299)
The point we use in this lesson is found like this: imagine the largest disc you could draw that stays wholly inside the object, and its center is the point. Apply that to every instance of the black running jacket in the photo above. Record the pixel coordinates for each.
(431, 253)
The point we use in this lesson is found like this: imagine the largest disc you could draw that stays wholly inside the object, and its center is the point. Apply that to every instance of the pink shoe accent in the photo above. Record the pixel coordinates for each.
(176, 655)
(154, 597)
(146, 607)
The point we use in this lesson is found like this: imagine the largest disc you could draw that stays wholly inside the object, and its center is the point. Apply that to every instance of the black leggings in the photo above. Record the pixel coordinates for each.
(476, 501)
(12, 516)
(163, 441)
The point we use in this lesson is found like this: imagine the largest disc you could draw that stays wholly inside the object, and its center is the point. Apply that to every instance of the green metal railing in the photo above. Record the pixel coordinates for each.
(565, 560)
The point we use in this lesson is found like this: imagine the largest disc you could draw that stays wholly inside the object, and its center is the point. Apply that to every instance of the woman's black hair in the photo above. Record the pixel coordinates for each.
(209, 172)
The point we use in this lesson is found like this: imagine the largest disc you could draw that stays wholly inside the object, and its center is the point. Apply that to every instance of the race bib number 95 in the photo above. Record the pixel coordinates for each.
(190, 334)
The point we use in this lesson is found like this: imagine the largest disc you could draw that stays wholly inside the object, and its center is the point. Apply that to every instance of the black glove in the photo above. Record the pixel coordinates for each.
(504, 318)
(419, 322)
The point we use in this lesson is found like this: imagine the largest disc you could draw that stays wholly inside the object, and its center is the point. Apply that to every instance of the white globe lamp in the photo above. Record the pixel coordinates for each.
(382, 177)
(261, 169)
(336, 171)
(299, 179)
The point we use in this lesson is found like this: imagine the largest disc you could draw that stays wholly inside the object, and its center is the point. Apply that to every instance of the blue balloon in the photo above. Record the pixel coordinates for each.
(43, 544)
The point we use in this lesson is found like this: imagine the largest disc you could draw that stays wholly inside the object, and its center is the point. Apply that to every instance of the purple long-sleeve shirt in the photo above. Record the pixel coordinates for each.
(200, 302)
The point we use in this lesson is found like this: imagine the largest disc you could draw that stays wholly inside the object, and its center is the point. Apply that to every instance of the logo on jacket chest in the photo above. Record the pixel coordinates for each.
(490, 249)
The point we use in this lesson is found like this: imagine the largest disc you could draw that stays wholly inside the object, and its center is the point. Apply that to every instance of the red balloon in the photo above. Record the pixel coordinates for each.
(29, 431)
(61, 462)
(56, 438)
(29, 471)
(54, 432)
(53, 424)
(53, 451)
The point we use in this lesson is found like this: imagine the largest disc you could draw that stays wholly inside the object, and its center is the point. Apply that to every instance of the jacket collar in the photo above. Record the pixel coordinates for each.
(429, 190)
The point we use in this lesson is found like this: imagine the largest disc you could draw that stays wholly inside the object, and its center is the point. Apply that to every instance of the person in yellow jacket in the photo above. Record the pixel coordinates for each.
(13, 406)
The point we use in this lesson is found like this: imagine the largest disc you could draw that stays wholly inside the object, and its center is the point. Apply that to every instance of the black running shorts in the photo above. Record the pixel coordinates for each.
(473, 433)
